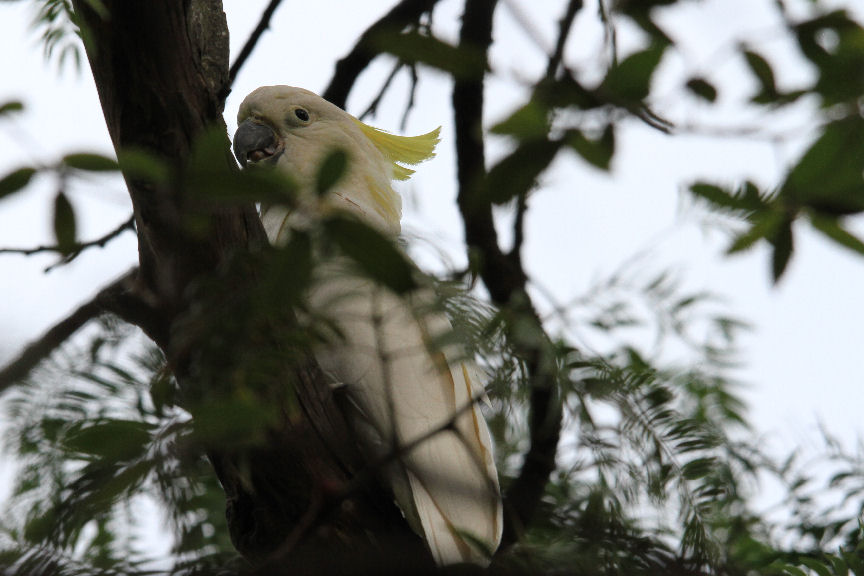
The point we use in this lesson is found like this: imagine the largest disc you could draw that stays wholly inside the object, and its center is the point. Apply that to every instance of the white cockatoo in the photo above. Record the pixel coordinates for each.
(401, 387)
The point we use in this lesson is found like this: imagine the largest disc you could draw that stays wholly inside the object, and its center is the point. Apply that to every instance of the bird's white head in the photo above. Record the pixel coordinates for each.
(295, 129)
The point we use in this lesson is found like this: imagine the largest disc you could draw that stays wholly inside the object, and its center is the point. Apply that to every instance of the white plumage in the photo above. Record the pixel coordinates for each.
(402, 387)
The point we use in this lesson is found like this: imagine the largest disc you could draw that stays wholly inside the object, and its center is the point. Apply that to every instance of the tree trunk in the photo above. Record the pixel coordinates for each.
(161, 70)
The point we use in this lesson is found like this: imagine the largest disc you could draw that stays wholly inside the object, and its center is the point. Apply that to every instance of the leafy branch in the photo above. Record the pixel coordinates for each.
(70, 252)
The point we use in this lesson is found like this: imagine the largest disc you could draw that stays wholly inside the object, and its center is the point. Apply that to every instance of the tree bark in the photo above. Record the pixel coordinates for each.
(161, 71)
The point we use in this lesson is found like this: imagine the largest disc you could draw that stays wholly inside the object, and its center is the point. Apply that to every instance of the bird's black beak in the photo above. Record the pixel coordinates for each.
(255, 142)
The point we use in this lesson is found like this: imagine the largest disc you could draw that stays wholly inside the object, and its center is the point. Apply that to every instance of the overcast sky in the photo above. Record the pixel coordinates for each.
(802, 359)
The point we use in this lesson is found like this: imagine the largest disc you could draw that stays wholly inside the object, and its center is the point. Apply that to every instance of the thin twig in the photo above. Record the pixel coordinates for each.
(373, 106)
(412, 93)
(44, 346)
(252, 41)
(610, 33)
(348, 69)
(564, 27)
(524, 21)
(76, 248)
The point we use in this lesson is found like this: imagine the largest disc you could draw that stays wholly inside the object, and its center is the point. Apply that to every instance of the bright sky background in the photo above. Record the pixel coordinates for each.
(802, 362)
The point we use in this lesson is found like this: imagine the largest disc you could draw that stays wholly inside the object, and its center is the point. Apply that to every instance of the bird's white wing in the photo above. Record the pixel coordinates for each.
(411, 399)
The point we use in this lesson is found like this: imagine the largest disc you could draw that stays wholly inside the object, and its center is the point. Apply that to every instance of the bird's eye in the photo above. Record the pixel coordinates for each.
(302, 114)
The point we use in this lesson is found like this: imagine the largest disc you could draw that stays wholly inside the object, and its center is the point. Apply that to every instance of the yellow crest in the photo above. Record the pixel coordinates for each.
(402, 149)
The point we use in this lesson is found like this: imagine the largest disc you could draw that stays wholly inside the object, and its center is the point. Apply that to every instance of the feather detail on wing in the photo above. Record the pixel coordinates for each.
(405, 394)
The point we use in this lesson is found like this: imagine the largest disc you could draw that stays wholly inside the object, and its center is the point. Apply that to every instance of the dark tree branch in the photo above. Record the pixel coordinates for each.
(411, 97)
(252, 41)
(555, 60)
(564, 27)
(505, 279)
(77, 249)
(40, 349)
(373, 106)
(519, 226)
(348, 69)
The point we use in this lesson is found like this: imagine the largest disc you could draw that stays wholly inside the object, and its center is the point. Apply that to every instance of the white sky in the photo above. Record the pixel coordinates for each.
(802, 362)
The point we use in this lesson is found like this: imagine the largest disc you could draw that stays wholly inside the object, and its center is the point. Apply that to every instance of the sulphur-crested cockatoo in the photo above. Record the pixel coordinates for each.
(401, 387)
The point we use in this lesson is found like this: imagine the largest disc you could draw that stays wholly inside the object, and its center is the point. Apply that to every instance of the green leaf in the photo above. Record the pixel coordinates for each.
(530, 122)
(765, 75)
(698, 468)
(411, 47)
(113, 440)
(764, 227)
(376, 254)
(16, 180)
(783, 245)
(64, 223)
(820, 568)
(211, 176)
(794, 570)
(839, 65)
(241, 419)
(143, 165)
(596, 152)
(10, 107)
(744, 200)
(517, 173)
(91, 162)
(331, 171)
(829, 177)
(833, 229)
(631, 78)
(702, 88)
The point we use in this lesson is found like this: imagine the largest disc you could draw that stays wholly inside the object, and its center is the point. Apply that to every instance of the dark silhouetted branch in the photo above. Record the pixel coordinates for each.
(564, 27)
(373, 106)
(252, 41)
(106, 300)
(349, 68)
(505, 279)
(76, 248)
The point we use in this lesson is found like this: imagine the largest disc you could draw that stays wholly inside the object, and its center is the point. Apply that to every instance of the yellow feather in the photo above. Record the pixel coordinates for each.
(402, 149)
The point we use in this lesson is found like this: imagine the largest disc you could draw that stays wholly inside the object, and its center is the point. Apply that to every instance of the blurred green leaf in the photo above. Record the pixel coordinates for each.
(211, 175)
(820, 568)
(743, 201)
(142, 165)
(760, 68)
(529, 122)
(783, 246)
(331, 170)
(237, 420)
(702, 88)
(631, 78)
(597, 152)
(698, 468)
(829, 177)
(833, 229)
(16, 180)
(763, 227)
(114, 440)
(10, 107)
(64, 223)
(517, 172)
(839, 61)
(90, 162)
(376, 254)
(411, 47)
